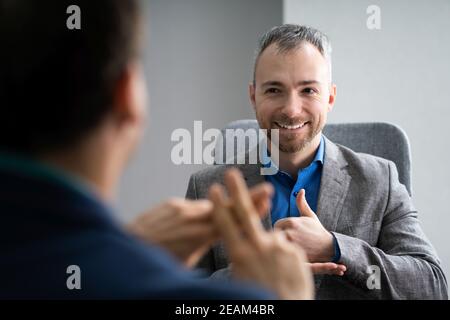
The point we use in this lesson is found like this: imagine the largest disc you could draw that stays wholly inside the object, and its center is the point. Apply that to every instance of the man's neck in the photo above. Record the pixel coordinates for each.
(88, 163)
(292, 162)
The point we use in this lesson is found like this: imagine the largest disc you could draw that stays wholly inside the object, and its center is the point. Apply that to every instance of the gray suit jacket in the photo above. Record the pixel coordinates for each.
(372, 216)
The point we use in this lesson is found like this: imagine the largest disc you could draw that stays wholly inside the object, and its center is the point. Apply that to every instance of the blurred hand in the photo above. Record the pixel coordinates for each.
(185, 227)
(267, 258)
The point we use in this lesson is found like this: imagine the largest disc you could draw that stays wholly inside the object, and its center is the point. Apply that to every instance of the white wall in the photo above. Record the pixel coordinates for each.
(399, 74)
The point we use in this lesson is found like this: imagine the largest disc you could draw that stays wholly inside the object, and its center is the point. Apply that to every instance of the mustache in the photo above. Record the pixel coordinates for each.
(289, 121)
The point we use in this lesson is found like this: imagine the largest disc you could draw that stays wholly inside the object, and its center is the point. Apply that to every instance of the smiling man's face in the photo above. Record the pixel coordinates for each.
(292, 93)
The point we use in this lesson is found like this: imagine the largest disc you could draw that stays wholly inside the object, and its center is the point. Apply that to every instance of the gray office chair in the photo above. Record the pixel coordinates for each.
(380, 139)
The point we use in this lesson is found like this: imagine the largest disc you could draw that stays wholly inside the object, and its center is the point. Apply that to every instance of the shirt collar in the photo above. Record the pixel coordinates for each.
(320, 151)
(319, 157)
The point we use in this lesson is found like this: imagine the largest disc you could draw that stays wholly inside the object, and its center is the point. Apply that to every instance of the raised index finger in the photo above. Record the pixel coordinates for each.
(242, 203)
(223, 217)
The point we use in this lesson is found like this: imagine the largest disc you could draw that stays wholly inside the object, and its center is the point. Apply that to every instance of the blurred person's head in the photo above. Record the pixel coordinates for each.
(292, 88)
(72, 96)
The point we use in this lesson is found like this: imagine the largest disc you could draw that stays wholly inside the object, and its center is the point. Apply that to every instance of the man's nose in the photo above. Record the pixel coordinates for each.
(293, 106)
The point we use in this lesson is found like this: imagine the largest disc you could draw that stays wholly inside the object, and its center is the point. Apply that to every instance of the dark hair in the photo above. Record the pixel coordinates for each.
(288, 37)
(57, 84)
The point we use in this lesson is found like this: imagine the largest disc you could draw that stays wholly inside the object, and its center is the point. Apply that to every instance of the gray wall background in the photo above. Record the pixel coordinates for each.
(398, 74)
(198, 62)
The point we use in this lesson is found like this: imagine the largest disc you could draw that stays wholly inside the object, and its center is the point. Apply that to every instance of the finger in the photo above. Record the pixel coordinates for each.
(262, 207)
(197, 209)
(223, 218)
(323, 268)
(199, 232)
(244, 209)
(341, 269)
(285, 223)
(326, 272)
(261, 197)
(328, 268)
(303, 206)
(281, 224)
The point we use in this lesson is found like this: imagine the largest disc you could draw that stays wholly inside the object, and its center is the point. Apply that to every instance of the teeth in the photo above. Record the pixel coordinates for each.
(285, 126)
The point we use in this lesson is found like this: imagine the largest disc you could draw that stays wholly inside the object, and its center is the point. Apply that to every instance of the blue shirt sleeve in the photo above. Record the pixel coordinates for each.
(337, 250)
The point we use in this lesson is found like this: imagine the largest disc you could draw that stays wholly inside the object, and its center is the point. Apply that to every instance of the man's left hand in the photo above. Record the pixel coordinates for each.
(308, 232)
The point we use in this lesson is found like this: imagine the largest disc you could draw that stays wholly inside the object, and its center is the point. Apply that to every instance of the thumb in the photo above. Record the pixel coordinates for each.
(303, 206)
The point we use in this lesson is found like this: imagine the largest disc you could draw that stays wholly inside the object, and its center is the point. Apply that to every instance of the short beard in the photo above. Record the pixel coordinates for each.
(294, 148)
(289, 148)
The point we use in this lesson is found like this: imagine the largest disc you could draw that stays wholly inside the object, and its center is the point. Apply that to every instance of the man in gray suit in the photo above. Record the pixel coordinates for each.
(347, 210)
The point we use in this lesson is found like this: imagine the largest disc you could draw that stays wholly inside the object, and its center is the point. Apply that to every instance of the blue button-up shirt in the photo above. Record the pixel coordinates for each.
(284, 203)
(286, 188)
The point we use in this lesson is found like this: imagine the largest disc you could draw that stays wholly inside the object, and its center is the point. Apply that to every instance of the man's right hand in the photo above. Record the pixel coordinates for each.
(267, 258)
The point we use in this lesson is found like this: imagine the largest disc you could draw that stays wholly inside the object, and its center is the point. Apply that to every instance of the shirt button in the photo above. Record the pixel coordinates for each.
(295, 194)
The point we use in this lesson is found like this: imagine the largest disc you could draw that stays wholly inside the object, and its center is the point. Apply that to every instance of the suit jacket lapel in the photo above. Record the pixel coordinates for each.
(333, 186)
(333, 190)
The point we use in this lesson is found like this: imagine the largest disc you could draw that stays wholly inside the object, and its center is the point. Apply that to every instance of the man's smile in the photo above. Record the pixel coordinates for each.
(291, 127)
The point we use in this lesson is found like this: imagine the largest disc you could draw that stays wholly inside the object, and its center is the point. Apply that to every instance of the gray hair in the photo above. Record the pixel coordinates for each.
(289, 37)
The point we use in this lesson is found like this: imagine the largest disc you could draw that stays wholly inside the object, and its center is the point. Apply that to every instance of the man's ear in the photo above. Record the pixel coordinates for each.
(332, 97)
(129, 102)
(251, 93)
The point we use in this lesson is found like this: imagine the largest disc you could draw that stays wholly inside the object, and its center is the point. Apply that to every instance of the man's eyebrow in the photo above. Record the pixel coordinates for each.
(306, 82)
(272, 83)
(300, 83)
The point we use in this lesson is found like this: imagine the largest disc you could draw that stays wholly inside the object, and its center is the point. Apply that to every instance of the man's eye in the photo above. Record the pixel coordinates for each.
(273, 90)
(309, 91)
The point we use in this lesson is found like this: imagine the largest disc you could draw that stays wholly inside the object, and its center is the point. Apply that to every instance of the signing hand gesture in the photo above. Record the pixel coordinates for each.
(308, 232)
(267, 258)
(186, 228)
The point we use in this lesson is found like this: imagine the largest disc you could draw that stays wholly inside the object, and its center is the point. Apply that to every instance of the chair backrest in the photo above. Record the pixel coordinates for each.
(380, 139)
